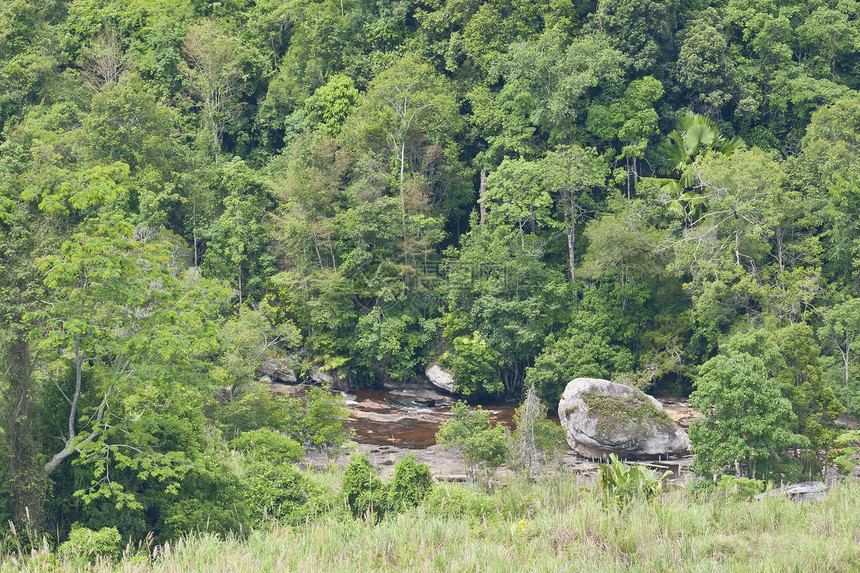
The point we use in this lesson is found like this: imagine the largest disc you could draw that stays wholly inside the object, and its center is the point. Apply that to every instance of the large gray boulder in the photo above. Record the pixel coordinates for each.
(603, 418)
(440, 378)
(277, 370)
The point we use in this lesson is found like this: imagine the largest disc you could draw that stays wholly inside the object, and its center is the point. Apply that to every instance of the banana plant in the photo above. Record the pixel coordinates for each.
(621, 482)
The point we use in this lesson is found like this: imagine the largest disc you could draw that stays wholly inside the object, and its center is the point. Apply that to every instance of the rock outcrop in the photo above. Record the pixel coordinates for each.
(602, 417)
(277, 370)
(321, 377)
(804, 491)
(440, 378)
(422, 397)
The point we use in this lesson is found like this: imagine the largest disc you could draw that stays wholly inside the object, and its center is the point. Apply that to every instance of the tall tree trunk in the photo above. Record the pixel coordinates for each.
(240, 269)
(481, 191)
(628, 178)
(23, 471)
(403, 201)
(570, 221)
(240, 286)
(194, 223)
(402, 159)
(216, 140)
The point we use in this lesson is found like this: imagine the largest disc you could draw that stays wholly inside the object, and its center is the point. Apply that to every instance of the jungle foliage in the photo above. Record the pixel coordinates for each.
(660, 192)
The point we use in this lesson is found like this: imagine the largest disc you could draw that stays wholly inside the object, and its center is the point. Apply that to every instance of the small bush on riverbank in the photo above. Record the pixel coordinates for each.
(409, 485)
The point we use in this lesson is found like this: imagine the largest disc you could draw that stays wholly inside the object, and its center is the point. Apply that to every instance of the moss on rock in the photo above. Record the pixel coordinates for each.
(615, 412)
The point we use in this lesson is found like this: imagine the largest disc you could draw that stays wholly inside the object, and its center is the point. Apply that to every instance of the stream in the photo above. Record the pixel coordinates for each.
(408, 417)
(391, 423)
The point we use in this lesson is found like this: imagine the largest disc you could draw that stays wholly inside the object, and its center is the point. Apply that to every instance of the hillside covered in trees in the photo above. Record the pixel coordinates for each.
(660, 192)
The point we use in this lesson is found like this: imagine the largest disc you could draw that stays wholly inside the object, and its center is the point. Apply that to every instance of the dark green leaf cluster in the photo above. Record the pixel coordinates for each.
(367, 497)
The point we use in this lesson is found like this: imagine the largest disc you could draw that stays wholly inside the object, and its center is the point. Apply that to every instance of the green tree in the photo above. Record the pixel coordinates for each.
(693, 135)
(814, 403)
(323, 425)
(576, 176)
(642, 31)
(704, 67)
(410, 484)
(511, 297)
(404, 130)
(548, 84)
(749, 252)
(26, 71)
(747, 421)
(127, 124)
(122, 318)
(631, 120)
(364, 493)
(330, 105)
(474, 364)
(516, 195)
(827, 171)
(236, 240)
(483, 445)
(535, 439)
(838, 334)
(214, 66)
(245, 340)
(20, 292)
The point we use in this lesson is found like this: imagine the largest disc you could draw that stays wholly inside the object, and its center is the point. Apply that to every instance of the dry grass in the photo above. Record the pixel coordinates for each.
(556, 525)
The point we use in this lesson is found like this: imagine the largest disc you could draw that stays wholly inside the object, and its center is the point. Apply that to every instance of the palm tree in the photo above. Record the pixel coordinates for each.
(694, 135)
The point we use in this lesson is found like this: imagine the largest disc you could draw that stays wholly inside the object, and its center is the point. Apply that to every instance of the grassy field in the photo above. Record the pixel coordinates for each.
(557, 524)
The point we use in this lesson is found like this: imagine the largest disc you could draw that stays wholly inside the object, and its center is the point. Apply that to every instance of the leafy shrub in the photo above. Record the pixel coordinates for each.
(482, 444)
(364, 493)
(209, 499)
(410, 484)
(448, 500)
(323, 422)
(847, 449)
(255, 408)
(281, 492)
(474, 364)
(621, 482)
(102, 543)
(318, 423)
(268, 445)
(734, 488)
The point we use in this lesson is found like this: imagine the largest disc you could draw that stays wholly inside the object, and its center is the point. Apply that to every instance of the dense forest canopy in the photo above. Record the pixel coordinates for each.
(663, 193)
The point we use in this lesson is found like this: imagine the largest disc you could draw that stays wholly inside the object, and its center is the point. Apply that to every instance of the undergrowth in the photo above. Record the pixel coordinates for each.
(558, 523)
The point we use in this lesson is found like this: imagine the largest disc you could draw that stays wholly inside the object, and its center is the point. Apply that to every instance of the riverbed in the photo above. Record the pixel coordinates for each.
(389, 424)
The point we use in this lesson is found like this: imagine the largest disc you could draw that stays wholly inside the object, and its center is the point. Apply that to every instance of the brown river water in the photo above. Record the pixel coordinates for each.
(409, 417)
(389, 424)
(400, 418)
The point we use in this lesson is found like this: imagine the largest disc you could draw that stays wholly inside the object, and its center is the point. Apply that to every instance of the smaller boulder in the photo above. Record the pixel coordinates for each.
(855, 472)
(278, 370)
(441, 378)
(416, 396)
(804, 491)
(321, 378)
